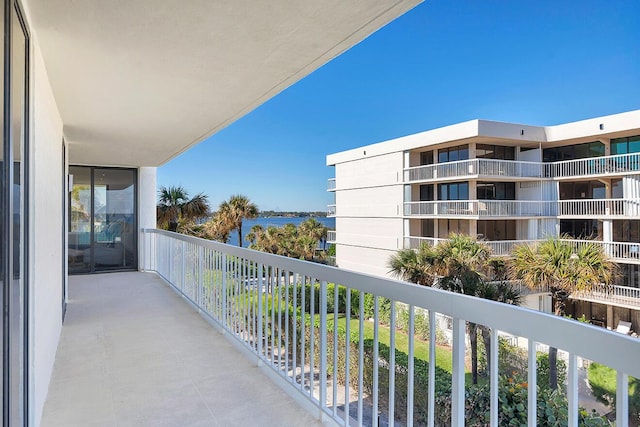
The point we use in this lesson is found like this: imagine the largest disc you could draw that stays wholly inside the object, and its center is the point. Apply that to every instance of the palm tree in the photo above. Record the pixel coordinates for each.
(554, 265)
(174, 205)
(464, 267)
(460, 264)
(415, 266)
(311, 231)
(235, 210)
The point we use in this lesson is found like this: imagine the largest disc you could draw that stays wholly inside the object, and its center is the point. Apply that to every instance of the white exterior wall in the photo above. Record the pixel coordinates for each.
(369, 195)
(46, 241)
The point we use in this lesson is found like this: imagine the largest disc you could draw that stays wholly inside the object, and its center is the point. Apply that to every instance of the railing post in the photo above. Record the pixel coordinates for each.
(200, 283)
(532, 399)
(225, 321)
(432, 369)
(392, 363)
(260, 325)
(323, 345)
(457, 380)
(622, 399)
(572, 391)
(493, 377)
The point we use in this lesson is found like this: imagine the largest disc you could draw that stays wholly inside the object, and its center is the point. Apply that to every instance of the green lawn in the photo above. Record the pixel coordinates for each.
(421, 348)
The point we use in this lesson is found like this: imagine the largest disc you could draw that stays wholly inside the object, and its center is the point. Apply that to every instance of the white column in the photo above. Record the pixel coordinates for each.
(147, 199)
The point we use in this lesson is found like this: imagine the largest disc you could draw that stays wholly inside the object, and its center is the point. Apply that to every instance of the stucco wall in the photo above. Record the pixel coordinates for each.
(46, 240)
(369, 223)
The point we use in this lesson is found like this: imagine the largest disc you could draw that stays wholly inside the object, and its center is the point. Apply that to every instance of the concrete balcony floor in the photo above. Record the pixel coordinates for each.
(133, 353)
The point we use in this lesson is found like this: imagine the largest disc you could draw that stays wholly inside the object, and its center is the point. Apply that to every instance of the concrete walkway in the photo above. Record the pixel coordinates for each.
(133, 353)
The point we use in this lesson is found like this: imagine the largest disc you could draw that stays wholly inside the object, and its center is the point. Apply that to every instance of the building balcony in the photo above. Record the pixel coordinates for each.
(331, 210)
(610, 208)
(331, 184)
(165, 348)
(621, 252)
(134, 353)
(606, 166)
(331, 236)
(478, 168)
(481, 209)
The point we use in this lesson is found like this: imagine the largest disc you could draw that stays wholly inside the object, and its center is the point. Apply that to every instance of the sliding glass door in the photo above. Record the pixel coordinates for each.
(14, 211)
(103, 222)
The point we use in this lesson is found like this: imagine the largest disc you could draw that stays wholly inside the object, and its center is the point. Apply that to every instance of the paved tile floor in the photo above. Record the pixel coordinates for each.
(133, 353)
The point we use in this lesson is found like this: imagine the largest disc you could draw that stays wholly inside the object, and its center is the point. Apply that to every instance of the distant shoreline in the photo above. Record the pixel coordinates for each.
(289, 214)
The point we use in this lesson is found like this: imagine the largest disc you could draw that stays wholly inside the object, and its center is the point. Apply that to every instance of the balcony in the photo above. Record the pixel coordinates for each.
(285, 313)
(623, 252)
(331, 236)
(134, 352)
(610, 208)
(481, 209)
(618, 165)
(478, 168)
(331, 210)
(331, 184)
(606, 166)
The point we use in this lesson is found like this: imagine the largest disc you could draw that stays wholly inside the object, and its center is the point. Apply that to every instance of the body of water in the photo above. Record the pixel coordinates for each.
(276, 221)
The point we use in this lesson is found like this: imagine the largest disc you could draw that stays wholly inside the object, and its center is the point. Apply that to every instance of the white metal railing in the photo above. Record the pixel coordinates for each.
(477, 167)
(331, 184)
(331, 236)
(287, 313)
(617, 251)
(331, 210)
(481, 208)
(494, 168)
(416, 242)
(606, 165)
(623, 295)
(599, 207)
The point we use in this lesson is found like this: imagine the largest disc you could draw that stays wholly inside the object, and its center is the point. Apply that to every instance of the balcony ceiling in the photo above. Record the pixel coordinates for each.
(137, 82)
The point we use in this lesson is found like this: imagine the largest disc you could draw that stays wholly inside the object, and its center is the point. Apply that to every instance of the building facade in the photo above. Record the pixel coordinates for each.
(502, 182)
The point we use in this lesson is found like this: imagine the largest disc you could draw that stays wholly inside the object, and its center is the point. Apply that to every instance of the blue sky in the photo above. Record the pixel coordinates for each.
(535, 62)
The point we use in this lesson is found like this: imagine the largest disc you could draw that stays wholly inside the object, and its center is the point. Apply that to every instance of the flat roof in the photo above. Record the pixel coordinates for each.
(612, 126)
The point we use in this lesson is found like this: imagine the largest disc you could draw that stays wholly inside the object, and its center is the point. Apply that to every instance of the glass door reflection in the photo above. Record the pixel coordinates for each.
(102, 219)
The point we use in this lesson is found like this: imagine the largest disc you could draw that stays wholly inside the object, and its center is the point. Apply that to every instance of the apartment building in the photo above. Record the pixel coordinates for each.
(505, 183)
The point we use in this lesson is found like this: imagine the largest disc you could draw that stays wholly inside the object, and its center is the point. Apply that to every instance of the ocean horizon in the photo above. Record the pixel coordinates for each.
(276, 221)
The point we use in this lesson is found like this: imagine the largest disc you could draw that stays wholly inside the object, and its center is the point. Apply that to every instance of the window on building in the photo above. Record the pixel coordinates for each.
(453, 154)
(426, 158)
(582, 228)
(427, 226)
(453, 191)
(626, 230)
(625, 145)
(572, 152)
(497, 230)
(499, 152)
(426, 193)
(496, 190)
(582, 190)
(616, 189)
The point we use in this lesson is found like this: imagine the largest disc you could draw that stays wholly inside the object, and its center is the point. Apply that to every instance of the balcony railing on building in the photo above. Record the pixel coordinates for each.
(331, 210)
(484, 168)
(331, 236)
(331, 184)
(287, 314)
(627, 252)
(481, 208)
(616, 165)
(599, 208)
